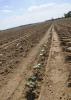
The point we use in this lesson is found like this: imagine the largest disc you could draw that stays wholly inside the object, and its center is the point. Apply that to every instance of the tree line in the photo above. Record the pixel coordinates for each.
(67, 15)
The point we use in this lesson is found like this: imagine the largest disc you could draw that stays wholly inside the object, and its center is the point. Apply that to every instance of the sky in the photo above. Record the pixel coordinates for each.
(20, 12)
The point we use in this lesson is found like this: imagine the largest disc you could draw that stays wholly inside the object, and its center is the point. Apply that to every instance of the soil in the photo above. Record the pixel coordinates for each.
(35, 62)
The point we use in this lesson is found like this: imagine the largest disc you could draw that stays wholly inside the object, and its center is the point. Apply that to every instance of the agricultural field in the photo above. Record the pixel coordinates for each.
(35, 61)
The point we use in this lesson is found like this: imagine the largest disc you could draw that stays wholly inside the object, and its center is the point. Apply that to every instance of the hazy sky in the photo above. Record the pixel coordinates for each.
(19, 12)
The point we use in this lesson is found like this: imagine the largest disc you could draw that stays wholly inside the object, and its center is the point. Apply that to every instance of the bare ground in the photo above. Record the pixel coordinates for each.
(17, 81)
(56, 75)
(54, 84)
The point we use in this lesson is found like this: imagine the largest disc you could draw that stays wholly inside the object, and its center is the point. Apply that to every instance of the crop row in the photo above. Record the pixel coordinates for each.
(35, 81)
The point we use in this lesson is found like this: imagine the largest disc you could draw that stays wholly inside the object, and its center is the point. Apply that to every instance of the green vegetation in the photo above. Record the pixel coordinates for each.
(67, 15)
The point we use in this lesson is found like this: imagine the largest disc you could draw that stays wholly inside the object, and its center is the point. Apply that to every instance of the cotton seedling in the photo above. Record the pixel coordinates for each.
(32, 78)
(31, 84)
(38, 66)
(41, 54)
(42, 50)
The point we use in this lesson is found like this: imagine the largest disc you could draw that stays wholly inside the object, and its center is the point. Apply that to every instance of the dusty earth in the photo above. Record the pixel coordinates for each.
(37, 65)
(55, 88)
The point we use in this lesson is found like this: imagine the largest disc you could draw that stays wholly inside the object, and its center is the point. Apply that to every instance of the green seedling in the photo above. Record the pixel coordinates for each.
(38, 66)
(41, 54)
(31, 84)
(32, 78)
(42, 50)
(30, 95)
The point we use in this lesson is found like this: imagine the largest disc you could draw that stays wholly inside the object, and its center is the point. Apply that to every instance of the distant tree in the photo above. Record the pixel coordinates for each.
(67, 15)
